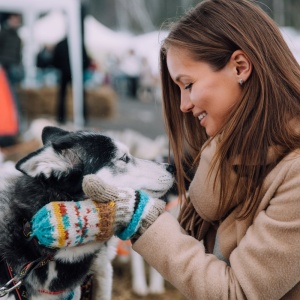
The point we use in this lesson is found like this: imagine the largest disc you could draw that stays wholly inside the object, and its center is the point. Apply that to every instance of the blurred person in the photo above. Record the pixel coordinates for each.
(47, 74)
(61, 61)
(11, 56)
(146, 82)
(44, 57)
(131, 67)
(117, 76)
(11, 49)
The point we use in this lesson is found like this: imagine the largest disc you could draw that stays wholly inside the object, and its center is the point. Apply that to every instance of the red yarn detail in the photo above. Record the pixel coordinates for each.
(62, 209)
(51, 293)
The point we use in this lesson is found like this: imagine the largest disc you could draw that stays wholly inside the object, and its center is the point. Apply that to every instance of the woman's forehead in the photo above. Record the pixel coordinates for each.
(179, 61)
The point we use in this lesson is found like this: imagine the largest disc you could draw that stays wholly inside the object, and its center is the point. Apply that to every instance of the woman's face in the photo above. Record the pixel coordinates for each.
(209, 95)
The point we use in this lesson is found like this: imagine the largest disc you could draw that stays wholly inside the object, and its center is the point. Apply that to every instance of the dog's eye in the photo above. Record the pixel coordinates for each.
(125, 158)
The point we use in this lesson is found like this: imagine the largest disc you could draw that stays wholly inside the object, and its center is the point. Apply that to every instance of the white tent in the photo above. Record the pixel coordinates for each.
(30, 9)
(100, 41)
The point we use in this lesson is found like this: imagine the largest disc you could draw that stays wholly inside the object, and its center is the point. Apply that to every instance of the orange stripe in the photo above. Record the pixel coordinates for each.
(8, 112)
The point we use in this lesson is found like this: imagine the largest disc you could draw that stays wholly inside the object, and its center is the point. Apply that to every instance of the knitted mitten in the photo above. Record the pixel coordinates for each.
(110, 210)
(66, 224)
(135, 210)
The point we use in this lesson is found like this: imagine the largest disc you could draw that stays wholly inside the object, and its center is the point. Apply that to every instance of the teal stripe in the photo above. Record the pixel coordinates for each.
(66, 221)
(70, 296)
(79, 238)
(42, 228)
(133, 226)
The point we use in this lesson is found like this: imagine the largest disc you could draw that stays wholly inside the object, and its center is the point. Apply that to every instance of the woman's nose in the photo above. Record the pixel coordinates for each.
(186, 104)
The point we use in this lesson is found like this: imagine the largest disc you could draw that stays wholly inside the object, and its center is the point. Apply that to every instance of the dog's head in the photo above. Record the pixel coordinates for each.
(68, 156)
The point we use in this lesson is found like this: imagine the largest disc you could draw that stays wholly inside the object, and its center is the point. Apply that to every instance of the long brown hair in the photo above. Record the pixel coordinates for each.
(211, 32)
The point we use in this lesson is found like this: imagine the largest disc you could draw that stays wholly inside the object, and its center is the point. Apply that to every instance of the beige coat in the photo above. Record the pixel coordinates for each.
(261, 257)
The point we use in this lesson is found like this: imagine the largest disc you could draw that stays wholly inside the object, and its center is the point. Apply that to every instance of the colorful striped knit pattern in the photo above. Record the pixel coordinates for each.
(134, 224)
(67, 224)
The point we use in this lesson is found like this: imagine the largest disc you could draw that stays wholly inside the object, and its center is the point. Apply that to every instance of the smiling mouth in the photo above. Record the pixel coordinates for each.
(203, 115)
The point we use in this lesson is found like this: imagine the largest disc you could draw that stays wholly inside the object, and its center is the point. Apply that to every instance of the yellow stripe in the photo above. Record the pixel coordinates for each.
(60, 226)
(112, 204)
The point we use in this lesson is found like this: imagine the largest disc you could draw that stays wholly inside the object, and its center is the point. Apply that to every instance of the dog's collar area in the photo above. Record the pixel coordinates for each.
(51, 292)
(19, 292)
(14, 283)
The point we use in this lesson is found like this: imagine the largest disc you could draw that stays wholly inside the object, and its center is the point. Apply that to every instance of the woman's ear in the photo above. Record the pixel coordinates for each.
(242, 65)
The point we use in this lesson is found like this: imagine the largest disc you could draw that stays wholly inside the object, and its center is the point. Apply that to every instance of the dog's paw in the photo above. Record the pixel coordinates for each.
(140, 289)
(139, 282)
(156, 290)
(156, 282)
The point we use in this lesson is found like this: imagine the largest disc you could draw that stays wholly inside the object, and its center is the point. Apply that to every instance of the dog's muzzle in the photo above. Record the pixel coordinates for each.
(171, 169)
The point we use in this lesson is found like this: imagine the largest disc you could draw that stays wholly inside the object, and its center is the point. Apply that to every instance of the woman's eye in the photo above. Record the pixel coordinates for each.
(125, 158)
(188, 86)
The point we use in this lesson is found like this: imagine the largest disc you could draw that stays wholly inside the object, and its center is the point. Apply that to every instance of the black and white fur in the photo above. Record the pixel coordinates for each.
(55, 173)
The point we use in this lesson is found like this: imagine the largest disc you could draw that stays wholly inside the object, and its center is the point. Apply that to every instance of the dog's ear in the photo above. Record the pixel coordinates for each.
(51, 134)
(48, 162)
(63, 142)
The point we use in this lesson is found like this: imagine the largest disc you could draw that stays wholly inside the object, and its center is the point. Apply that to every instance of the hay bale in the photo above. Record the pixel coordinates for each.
(102, 102)
(16, 152)
(35, 103)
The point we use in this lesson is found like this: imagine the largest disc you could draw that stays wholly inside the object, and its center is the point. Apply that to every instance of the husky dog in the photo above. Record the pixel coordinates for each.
(55, 173)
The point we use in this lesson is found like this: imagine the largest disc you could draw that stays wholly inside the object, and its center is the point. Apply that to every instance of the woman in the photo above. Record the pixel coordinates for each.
(231, 96)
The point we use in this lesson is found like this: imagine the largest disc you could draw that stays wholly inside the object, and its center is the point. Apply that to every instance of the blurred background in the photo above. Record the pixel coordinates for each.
(94, 64)
(104, 52)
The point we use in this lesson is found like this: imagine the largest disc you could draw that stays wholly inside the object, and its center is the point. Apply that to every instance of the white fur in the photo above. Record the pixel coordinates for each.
(155, 180)
(103, 272)
(71, 254)
(6, 297)
(139, 283)
(46, 163)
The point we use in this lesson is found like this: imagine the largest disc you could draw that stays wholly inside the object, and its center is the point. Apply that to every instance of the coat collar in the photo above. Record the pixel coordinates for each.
(204, 194)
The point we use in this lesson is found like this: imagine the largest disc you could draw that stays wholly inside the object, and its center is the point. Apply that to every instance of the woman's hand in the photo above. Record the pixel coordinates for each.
(110, 210)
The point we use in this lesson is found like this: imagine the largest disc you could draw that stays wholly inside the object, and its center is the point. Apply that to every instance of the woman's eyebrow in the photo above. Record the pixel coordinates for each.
(177, 79)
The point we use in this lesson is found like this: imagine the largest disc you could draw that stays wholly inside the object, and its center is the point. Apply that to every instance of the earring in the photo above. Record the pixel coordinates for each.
(241, 82)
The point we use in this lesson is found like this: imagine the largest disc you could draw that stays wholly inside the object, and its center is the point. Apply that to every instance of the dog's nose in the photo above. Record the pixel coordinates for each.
(171, 169)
